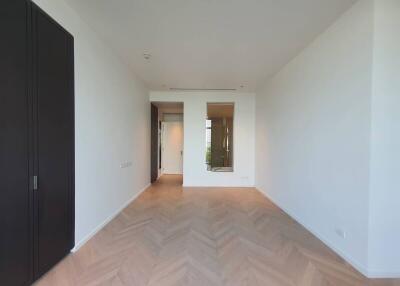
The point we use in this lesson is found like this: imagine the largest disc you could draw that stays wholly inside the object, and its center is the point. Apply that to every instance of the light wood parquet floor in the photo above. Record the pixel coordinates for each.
(204, 237)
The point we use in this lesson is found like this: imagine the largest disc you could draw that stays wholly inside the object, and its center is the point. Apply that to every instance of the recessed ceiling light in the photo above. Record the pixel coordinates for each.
(146, 56)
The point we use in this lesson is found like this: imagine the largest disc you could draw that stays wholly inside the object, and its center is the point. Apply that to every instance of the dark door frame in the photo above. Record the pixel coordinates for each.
(154, 144)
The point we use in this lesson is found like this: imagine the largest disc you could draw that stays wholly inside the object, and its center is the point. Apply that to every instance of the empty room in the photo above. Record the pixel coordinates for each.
(200, 142)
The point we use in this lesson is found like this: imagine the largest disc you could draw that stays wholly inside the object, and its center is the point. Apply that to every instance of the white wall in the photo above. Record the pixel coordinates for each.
(384, 251)
(112, 126)
(195, 113)
(172, 117)
(313, 134)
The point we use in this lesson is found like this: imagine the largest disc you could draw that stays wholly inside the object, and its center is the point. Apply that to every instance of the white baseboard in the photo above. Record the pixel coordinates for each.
(105, 222)
(377, 274)
(361, 268)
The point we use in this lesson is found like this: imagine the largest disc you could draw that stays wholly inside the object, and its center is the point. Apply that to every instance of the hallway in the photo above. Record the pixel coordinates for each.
(203, 236)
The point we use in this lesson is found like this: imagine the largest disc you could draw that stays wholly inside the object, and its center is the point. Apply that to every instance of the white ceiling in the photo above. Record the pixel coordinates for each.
(208, 43)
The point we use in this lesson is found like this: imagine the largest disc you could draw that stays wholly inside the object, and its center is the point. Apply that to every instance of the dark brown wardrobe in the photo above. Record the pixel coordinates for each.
(36, 142)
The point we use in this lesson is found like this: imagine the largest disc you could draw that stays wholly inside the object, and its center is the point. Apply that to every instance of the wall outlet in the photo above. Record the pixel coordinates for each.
(340, 232)
(125, 164)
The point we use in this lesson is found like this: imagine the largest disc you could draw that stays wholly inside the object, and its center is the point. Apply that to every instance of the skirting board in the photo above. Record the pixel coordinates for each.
(377, 274)
(110, 218)
(350, 260)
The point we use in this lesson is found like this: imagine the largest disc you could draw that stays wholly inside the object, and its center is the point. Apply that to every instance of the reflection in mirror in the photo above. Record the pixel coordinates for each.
(219, 137)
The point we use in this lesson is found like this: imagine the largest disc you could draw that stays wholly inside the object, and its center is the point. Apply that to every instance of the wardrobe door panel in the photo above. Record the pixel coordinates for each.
(55, 141)
(15, 218)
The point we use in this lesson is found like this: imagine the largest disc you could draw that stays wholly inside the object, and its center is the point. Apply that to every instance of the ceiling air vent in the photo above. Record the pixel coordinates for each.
(202, 89)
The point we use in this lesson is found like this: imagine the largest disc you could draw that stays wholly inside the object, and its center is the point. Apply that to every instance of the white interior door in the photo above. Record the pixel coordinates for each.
(172, 148)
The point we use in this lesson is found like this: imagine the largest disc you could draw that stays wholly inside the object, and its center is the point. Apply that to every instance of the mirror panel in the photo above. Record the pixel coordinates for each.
(219, 137)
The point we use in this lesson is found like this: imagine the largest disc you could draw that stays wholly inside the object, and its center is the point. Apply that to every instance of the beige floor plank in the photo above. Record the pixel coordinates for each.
(204, 237)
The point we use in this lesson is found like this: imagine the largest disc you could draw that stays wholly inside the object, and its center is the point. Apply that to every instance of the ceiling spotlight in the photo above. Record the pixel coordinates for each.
(146, 56)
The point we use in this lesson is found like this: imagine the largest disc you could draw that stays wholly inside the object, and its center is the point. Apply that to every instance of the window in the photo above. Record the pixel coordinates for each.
(219, 137)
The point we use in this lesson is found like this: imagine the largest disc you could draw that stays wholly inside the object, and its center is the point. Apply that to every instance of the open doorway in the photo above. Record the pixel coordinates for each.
(172, 147)
(166, 139)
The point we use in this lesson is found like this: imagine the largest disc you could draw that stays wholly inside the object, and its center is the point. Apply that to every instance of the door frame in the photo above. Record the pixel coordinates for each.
(154, 144)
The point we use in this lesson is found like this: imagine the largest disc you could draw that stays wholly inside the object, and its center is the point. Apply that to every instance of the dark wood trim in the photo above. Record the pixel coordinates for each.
(31, 132)
(72, 158)
(35, 169)
(154, 143)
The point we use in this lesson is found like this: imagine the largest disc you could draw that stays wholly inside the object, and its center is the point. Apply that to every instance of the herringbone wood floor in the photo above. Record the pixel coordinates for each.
(204, 236)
